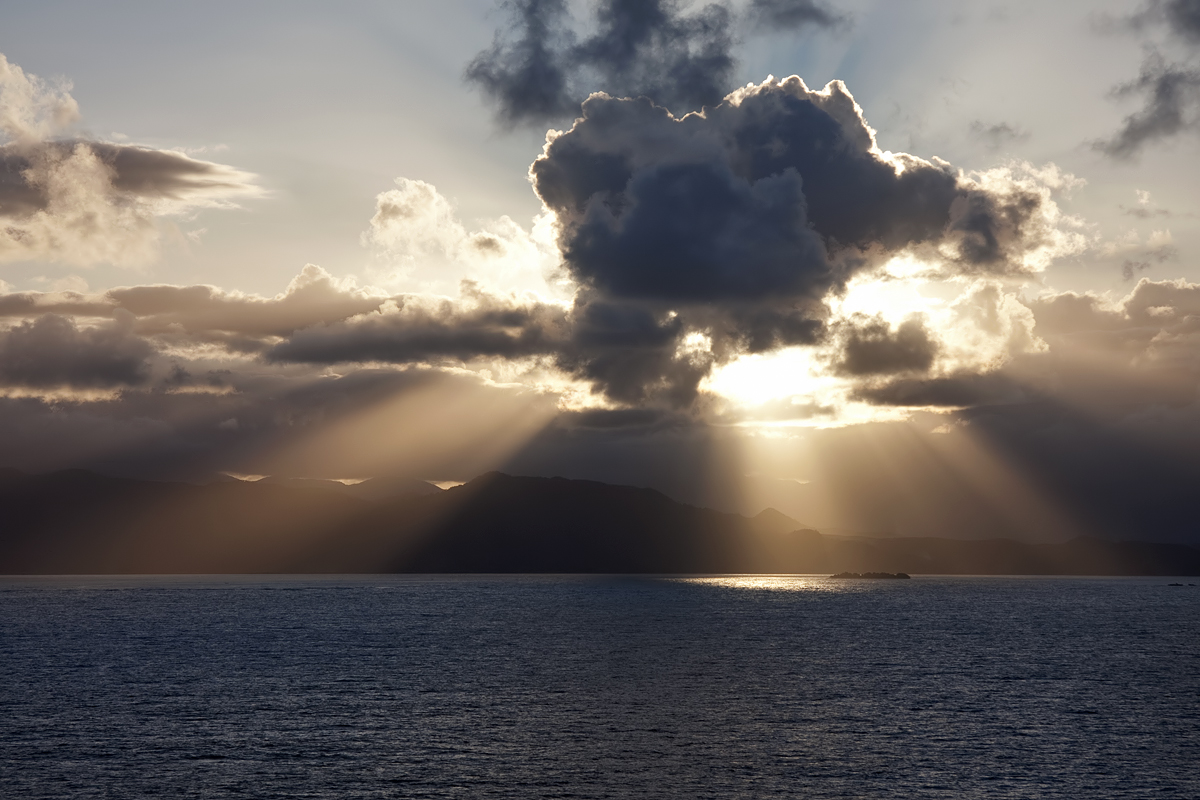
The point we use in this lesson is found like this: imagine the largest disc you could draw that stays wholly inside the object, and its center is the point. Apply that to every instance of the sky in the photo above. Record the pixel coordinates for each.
(896, 268)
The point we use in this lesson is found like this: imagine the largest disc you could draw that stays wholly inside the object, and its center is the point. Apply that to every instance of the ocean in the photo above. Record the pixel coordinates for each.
(591, 687)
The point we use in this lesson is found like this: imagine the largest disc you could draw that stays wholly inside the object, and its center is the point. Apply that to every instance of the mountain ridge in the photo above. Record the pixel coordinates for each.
(81, 522)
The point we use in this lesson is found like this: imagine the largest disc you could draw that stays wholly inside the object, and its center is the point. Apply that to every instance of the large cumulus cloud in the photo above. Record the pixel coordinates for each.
(738, 224)
(778, 191)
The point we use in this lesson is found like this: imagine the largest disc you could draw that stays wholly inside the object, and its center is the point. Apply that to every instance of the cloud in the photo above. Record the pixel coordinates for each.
(778, 191)
(870, 347)
(542, 69)
(1170, 89)
(732, 229)
(1163, 303)
(157, 389)
(1143, 210)
(422, 246)
(52, 351)
(1172, 99)
(316, 320)
(687, 242)
(1184, 17)
(963, 390)
(1181, 18)
(1114, 357)
(85, 202)
(1159, 248)
(793, 14)
(207, 313)
(31, 109)
(527, 78)
(998, 135)
(414, 219)
(421, 329)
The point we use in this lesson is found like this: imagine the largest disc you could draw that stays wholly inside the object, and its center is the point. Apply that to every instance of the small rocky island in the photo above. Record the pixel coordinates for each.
(876, 575)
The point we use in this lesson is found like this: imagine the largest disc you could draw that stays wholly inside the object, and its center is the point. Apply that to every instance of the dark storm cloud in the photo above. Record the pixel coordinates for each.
(738, 224)
(700, 233)
(527, 77)
(871, 347)
(777, 192)
(539, 70)
(52, 351)
(648, 47)
(1184, 18)
(761, 329)
(629, 353)
(1181, 17)
(625, 350)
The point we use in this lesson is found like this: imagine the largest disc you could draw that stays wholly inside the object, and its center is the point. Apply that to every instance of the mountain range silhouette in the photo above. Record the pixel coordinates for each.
(78, 522)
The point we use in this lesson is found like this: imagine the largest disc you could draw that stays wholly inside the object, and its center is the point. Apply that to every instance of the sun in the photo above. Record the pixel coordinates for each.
(752, 380)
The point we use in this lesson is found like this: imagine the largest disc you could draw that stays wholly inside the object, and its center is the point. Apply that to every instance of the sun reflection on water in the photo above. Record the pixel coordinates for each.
(767, 583)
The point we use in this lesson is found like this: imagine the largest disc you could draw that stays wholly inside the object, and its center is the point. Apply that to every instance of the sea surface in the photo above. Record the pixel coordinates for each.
(557, 687)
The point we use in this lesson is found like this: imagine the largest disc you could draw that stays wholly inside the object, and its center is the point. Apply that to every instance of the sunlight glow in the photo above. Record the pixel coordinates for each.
(756, 378)
(894, 300)
(976, 325)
